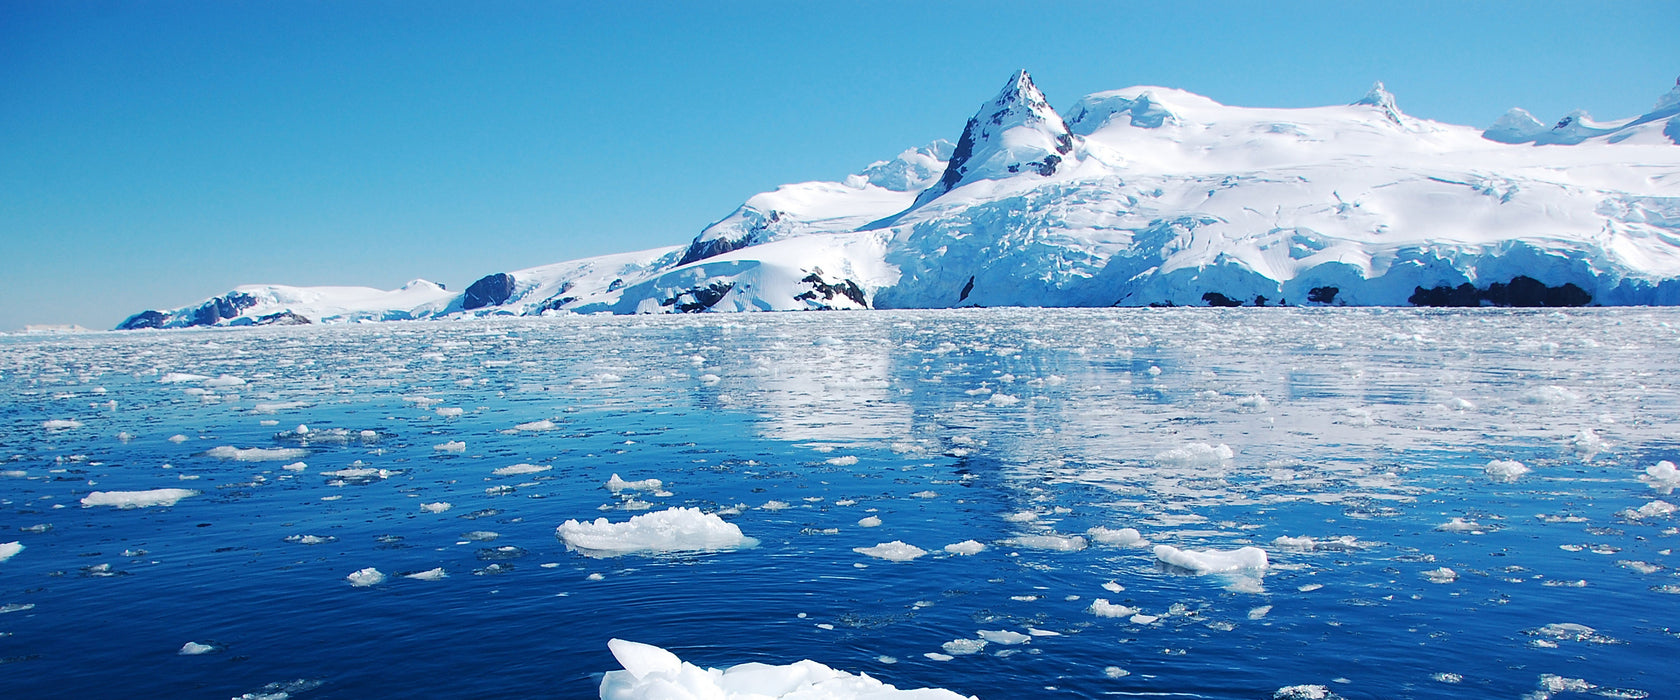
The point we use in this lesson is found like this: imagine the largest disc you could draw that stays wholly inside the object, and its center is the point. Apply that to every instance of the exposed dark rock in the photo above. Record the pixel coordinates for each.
(966, 289)
(1047, 167)
(1323, 295)
(1217, 299)
(284, 318)
(489, 290)
(758, 231)
(222, 307)
(958, 165)
(615, 285)
(554, 303)
(144, 319)
(821, 287)
(1259, 300)
(1521, 291)
(699, 298)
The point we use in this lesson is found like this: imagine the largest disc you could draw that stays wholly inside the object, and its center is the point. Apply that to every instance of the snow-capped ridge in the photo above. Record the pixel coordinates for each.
(1016, 131)
(1379, 96)
(1660, 124)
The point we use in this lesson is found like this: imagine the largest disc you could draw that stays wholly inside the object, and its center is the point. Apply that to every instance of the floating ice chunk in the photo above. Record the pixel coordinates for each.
(1654, 509)
(1003, 400)
(136, 499)
(537, 425)
(1254, 404)
(1259, 612)
(521, 468)
(1141, 619)
(1115, 672)
(278, 406)
(1587, 444)
(1662, 476)
(450, 411)
(436, 574)
(652, 673)
(775, 505)
(1461, 525)
(871, 521)
(1058, 543)
(61, 424)
(359, 475)
(437, 507)
(1639, 566)
(1357, 417)
(177, 439)
(451, 446)
(1505, 470)
(615, 484)
(1113, 587)
(225, 380)
(365, 577)
(1195, 454)
(9, 550)
(1305, 692)
(194, 649)
(1102, 608)
(670, 530)
(1445, 677)
(257, 454)
(295, 467)
(892, 551)
(1549, 396)
(1123, 537)
(963, 647)
(1212, 561)
(1004, 637)
(181, 378)
(1287, 542)
(843, 461)
(1441, 575)
(965, 548)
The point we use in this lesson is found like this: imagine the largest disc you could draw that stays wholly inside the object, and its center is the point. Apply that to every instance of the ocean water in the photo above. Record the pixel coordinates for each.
(1429, 574)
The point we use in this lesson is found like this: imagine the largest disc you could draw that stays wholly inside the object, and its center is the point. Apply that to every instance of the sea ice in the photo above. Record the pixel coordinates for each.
(871, 521)
(536, 425)
(365, 577)
(670, 530)
(1196, 454)
(256, 454)
(1123, 537)
(615, 484)
(963, 647)
(295, 467)
(892, 551)
(521, 468)
(181, 378)
(10, 549)
(61, 424)
(450, 411)
(1505, 470)
(1654, 509)
(1305, 692)
(965, 548)
(652, 673)
(1212, 561)
(1662, 476)
(428, 575)
(1441, 575)
(437, 507)
(1004, 636)
(843, 461)
(1102, 608)
(194, 649)
(136, 499)
(451, 446)
(1460, 525)
(1057, 543)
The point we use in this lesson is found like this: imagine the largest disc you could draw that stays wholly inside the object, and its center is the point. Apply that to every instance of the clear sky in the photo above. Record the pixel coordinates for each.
(156, 153)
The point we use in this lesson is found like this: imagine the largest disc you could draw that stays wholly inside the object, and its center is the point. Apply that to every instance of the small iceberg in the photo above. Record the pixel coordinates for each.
(670, 530)
(1209, 561)
(652, 672)
(136, 499)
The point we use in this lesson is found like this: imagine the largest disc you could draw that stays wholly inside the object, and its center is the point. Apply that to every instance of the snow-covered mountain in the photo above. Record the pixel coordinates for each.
(1141, 196)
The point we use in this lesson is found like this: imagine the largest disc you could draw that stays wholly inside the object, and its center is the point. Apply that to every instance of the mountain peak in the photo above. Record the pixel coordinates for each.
(1017, 131)
(1381, 98)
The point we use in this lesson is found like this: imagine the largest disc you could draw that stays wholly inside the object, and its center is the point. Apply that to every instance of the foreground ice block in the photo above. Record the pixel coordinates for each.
(670, 530)
(652, 673)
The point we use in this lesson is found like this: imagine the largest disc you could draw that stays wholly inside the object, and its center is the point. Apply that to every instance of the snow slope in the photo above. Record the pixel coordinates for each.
(1146, 195)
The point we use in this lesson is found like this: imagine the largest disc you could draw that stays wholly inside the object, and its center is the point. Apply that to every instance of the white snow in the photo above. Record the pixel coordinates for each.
(670, 530)
(895, 550)
(1211, 560)
(136, 499)
(652, 673)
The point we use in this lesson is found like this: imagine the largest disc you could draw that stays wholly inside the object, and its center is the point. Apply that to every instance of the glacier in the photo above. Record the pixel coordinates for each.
(1146, 196)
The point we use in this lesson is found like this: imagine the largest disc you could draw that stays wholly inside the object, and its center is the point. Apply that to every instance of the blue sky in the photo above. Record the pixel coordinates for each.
(153, 154)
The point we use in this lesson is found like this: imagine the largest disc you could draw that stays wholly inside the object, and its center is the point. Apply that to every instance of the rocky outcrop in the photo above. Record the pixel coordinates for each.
(489, 290)
(209, 313)
(1523, 291)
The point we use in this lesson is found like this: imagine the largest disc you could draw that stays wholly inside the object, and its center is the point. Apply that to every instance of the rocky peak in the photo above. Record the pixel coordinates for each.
(1015, 132)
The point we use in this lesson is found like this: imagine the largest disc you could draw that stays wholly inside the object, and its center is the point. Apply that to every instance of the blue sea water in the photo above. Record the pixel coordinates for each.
(1368, 430)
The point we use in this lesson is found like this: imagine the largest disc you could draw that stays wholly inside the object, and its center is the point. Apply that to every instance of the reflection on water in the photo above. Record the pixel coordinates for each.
(1352, 446)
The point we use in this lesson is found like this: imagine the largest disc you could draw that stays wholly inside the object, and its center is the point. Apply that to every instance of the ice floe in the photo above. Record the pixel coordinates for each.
(965, 548)
(892, 551)
(652, 673)
(363, 578)
(61, 424)
(136, 499)
(455, 446)
(1102, 608)
(1123, 537)
(1213, 561)
(256, 454)
(671, 530)
(1196, 454)
(1505, 470)
(616, 484)
(1052, 542)
(1654, 509)
(521, 468)
(1662, 476)
(437, 507)
(10, 549)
